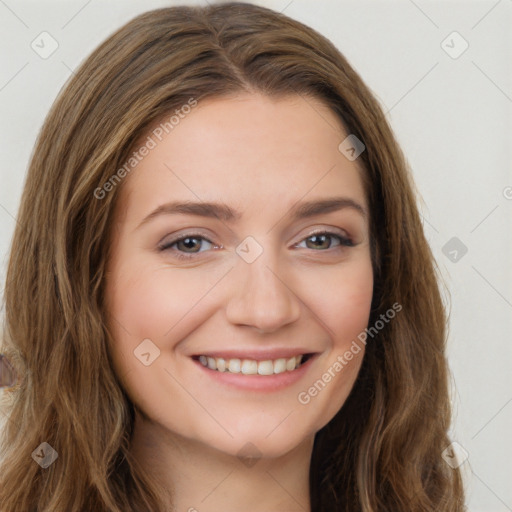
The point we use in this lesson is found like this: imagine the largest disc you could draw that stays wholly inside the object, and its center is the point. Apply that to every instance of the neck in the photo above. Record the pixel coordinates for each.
(204, 479)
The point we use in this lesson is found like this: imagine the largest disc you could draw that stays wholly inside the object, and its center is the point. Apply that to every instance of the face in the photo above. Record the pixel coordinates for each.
(241, 241)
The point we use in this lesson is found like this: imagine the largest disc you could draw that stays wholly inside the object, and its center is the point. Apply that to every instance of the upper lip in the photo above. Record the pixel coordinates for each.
(256, 354)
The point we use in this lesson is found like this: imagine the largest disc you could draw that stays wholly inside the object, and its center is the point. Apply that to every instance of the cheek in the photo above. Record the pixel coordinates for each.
(148, 302)
(342, 306)
(151, 302)
(342, 300)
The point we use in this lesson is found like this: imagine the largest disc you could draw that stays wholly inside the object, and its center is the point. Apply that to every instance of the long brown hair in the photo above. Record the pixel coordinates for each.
(382, 451)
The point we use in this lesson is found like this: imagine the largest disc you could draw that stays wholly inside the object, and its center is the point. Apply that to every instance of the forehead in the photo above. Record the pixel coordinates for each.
(248, 150)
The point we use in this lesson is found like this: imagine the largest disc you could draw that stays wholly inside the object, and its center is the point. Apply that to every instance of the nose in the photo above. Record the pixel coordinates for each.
(261, 298)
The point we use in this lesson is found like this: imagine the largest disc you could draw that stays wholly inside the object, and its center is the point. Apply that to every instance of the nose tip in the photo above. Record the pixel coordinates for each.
(263, 300)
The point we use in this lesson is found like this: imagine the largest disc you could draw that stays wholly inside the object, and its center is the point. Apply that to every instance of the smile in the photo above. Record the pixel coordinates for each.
(253, 367)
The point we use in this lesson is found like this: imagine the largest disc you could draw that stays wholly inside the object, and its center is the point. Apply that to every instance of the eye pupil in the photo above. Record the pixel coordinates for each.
(187, 242)
(318, 239)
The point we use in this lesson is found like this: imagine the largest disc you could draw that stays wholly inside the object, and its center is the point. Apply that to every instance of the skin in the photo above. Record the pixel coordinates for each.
(259, 156)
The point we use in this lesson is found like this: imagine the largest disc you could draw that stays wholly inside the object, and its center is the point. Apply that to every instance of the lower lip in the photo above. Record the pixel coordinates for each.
(261, 383)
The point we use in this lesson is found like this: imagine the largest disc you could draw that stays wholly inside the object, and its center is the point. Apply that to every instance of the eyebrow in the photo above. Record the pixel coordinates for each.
(226, 213)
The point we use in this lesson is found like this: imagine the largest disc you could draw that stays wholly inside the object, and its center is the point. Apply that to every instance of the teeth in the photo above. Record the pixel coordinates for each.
(265, 368)
(234, 365)
(250, 366)
(290, 364)
(221, 364)
(279, 365)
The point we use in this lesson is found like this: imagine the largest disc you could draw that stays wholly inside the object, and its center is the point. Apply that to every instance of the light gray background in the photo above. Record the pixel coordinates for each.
(452, 117)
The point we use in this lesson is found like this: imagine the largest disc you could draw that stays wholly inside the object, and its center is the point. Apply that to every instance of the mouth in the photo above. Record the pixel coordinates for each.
(262, 368)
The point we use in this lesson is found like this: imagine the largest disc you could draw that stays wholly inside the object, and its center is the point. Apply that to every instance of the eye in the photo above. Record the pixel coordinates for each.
(186, 246)
(190, 244)
(323, 240)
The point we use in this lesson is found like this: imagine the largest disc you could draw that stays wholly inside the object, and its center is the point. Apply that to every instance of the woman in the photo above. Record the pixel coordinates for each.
(264, 371)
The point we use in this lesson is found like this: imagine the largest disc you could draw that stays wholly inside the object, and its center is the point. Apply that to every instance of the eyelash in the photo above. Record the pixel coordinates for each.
(344, 242)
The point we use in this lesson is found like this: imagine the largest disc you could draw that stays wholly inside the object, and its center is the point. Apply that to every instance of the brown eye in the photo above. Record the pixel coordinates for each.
(324, 240)
(185, 245)
(188, 244)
